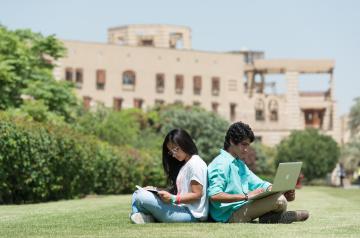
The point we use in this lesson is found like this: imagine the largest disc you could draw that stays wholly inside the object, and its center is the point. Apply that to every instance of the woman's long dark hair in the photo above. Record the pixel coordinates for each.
(171, 165)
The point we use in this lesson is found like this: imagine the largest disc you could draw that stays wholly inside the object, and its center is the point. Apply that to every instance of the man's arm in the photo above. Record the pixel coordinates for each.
(228, 198)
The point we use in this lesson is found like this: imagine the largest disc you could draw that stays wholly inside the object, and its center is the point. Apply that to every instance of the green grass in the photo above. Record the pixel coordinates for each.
(333, 213)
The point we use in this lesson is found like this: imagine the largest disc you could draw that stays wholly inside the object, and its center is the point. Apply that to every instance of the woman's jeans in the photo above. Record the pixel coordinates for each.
(150, 204)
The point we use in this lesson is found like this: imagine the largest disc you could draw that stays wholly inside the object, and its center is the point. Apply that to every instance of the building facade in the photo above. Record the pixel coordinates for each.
(145, 65)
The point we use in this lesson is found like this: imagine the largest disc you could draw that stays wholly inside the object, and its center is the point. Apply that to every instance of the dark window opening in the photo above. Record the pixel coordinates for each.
(160, 83)
(179, 83)
(197, 85)
(100, 79)
(215, 86)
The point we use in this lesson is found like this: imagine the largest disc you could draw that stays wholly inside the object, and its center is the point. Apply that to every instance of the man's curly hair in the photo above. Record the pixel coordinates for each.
(237, 133)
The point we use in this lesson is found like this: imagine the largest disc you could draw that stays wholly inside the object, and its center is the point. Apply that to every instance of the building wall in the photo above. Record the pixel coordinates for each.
(160, 35)
(146, 62)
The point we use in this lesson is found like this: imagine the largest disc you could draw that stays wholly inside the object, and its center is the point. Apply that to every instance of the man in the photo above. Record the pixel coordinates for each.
(231, 184)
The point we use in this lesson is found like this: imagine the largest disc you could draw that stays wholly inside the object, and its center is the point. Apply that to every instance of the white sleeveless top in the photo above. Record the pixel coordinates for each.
(195, 169)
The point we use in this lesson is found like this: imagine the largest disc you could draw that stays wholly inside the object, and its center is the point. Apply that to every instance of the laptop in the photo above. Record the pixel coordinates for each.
(285, 179)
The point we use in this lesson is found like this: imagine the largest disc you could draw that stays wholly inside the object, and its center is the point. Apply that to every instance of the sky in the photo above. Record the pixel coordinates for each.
(289, 29)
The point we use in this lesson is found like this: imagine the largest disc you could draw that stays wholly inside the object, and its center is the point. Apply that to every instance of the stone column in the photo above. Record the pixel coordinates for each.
(335, 125)
(186, 38)
(250, 82)
(292, 101)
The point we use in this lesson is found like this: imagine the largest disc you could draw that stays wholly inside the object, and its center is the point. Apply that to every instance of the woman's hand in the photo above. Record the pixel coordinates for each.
(165, 196)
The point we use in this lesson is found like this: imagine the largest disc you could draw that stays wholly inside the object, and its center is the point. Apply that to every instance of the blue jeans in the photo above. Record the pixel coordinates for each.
(148, 203)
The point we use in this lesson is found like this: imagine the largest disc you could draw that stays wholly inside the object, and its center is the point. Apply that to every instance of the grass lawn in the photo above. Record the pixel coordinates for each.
(333, 213)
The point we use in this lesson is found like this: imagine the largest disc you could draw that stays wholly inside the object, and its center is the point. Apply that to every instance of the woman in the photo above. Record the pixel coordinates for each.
(187, 175)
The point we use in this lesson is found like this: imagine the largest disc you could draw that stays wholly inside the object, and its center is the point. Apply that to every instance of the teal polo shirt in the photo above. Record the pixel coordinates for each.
(230, 175)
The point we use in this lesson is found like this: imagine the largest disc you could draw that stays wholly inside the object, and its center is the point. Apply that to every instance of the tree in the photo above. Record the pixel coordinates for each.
(26, 66)
(117, 128)
(354, 122)
(34, 110)
(319, 153)
(265, 156)
(206, 128)
(351, 154)
(351, 151)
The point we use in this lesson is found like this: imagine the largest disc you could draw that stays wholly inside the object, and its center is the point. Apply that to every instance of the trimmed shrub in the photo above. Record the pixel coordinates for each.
(40, 162)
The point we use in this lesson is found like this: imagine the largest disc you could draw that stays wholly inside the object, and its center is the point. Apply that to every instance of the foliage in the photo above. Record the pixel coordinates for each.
(351, 151)
(354, 122)
(206, 128)
(126, 127)
(26, 69)
(319, 153)
(351, 154)
(35, 110)
(40, 162)
(265, 160)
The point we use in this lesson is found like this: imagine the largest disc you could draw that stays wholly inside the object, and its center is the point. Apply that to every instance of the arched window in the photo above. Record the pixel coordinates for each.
(273, 109)
(259, 110)
(129, 79)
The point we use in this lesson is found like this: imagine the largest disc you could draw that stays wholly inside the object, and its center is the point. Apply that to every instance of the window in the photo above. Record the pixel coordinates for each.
(138, 103)
(145, 40)
(118, 104)
(314, 118)
(100, 79)
(196, 104)
(197, 85)
(259, 110)
(159, 102)
(179, 83)
(160, 83)
(79, 78)
(86, 102)
(215, 86)
(129, 80)
(69, 74)
(232, 111)
(273, 108)
(178, 102)
(214, 107)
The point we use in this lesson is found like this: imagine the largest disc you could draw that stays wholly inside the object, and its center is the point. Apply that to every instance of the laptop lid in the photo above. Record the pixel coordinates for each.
(286, 176)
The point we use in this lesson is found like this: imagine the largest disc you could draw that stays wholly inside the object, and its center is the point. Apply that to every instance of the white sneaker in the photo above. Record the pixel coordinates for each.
(141, 218)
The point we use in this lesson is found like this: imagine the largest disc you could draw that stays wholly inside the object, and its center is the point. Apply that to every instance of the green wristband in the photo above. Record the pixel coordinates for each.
(173, 199)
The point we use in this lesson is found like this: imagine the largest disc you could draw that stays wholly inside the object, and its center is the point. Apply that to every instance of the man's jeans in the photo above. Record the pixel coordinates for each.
(150, 204)
(254, 209)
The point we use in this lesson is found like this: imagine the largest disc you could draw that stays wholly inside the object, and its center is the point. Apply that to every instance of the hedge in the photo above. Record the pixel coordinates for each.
(40, 162)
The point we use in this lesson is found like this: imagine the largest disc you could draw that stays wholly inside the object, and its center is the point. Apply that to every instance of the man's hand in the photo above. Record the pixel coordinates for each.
(255, 192)
(290, 195)
(165, 196)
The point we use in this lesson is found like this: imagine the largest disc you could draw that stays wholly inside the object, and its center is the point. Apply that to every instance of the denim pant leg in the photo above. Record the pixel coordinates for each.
(148, 203)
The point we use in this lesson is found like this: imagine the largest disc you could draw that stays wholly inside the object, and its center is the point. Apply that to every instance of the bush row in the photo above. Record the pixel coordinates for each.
(42, 162)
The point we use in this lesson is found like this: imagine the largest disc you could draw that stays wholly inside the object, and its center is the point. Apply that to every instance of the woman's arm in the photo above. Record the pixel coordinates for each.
(193, 196)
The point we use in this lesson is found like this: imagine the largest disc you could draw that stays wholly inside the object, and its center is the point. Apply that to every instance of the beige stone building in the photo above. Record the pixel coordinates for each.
(144, 65)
